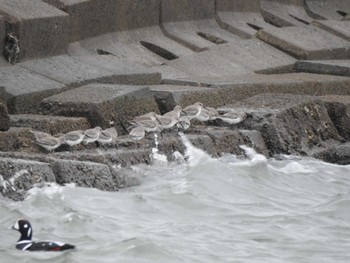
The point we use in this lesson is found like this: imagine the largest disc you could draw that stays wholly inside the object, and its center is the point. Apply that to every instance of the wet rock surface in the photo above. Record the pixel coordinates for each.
(82, 64)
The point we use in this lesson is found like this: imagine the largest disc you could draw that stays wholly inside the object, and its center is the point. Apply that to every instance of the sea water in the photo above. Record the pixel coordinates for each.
(198, 209)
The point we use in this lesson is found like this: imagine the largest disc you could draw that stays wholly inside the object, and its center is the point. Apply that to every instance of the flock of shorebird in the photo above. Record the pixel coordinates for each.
(179, 118)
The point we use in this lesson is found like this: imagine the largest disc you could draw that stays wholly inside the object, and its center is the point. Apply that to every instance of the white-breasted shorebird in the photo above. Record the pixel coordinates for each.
(50, 143)
(193, 111)
(91, 135)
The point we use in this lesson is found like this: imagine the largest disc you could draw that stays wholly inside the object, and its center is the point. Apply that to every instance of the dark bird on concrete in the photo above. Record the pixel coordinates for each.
(11, 49)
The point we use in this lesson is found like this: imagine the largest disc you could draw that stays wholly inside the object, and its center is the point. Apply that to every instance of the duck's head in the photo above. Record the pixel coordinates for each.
(24, 227)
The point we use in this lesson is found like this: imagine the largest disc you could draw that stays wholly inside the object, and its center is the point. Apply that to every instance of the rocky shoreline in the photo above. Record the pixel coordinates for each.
(291, 79)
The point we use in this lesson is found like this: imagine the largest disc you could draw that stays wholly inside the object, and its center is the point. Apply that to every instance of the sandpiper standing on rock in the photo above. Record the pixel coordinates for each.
(91, 135)
(193, 111)
(50, 143)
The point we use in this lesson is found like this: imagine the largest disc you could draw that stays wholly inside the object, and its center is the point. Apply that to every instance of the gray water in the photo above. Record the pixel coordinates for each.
(203, 210)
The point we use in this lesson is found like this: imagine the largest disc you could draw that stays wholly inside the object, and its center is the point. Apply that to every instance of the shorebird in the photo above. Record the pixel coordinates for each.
(203, 116)
(91, 135)
(148, 116)
(233, 117)
(213, 113)
(105, 136)
(39, 134)
(148, 125)
(50, 143)
(137, 133)
(175, 112)
(74, 137)
(193, 111)
(166, 122)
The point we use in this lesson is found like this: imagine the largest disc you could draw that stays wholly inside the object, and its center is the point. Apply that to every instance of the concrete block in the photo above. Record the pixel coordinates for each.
(42, 29)
(255, 55)
(297, 124)
(146, 46)
(331, 67)
(192, 23)
(3, 61)
(293, 83)
(108, 15)
(306, 42)
(4, 118)
(85, 174)
(17, 176)
(339, 111)
(168, 96)
(338, 28)
(18, 139)
(285, 12)
(26, 89)
(327, 9)
(50, 124)
(240, 17)
(209, 66)
(103, 103)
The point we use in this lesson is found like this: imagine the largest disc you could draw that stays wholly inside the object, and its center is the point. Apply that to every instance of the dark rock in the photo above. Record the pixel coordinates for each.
(4, 118)
(18, 175)
(338, 154)
(85, 174)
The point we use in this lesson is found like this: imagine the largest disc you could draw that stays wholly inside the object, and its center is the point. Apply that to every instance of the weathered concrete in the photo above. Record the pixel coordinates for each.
(338, 154)
(26, 89)
(4, 118)
(18, 139)
(185, 20)
(78, 71)
(42, 29)
(50, 124)
(290, 126)
(328, 9)
(306, 42)
(240, 17)
(102, 103)
(89, 18)
(285, 12)
(331, 67)
(168, 96)
(85, 174)
(17, 176)
(339, 111)
(3, 61)
(129, 45)
(338, 28)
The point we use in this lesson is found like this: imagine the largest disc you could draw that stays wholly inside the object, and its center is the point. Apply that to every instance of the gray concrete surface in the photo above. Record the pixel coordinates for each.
(331, 67)
(328, 9)
(338, 28)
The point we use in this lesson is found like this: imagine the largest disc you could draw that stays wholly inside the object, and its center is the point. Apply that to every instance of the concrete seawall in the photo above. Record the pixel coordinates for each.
(76, 64)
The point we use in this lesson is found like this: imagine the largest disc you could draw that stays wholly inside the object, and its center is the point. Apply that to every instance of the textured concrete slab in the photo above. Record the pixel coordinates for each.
(331, 67)
(168, 96)
(25, 89)
(293, 83)
(3, 61)
(18, 139)
(255, 55)
(85, 174)
(124, 72)
(103, 103)
(130, 45)
(208, 65)
(338, 28)
(240, 17)
(306, 42)
(328, 9)
(339, 111)
(41, 28)
(285, 12)
(290, 126)
(77, 71)
(92, 18)
(185, 20)
(50, 124)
